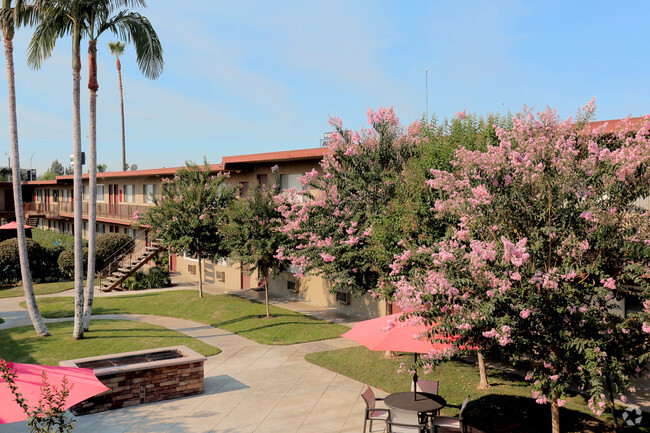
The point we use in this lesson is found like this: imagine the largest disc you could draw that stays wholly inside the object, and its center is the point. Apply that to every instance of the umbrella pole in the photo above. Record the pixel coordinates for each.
(415, 376)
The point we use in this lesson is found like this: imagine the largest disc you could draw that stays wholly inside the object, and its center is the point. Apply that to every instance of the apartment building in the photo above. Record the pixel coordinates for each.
(49, 205)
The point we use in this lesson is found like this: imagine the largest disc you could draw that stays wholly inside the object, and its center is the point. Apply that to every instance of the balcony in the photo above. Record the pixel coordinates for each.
(119, 213)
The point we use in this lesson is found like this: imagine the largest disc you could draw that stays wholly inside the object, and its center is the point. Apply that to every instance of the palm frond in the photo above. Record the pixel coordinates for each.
(133, 27)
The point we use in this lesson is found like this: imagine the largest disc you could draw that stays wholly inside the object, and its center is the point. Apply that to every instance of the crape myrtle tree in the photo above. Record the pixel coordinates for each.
(408, 219)
(254, 234)
(190, 214)
(330, 226)
(548, 237)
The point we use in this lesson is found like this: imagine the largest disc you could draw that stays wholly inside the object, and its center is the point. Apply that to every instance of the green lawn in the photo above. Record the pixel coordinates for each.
(232, 313)
(505, 407)
(39, 289)
(105, 337)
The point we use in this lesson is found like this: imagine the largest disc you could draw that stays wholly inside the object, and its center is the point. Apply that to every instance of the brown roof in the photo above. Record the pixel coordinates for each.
(287, 155)
(613, 123)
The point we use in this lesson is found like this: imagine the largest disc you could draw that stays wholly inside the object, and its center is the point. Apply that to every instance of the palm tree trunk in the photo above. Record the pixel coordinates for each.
(119, 75)
(30, 298)
(92, 185)
(77, 332)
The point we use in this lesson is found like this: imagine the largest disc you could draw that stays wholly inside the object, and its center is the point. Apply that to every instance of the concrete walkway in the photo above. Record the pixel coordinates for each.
(249, 387)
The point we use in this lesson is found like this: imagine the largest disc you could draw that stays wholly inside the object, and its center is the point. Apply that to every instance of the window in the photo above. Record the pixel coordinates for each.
(39, 195)
(148, 191)
(66, 195)
(100, 192)
(55, 196)
(129, 193)
(262, 179)
(85, 232)
(130, 232)
(100, 229)
(84, 195)
(288, 181)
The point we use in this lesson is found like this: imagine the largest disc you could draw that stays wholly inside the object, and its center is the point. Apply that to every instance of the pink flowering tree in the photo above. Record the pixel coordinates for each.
(331, 227)
(550, 238)
(190, 213)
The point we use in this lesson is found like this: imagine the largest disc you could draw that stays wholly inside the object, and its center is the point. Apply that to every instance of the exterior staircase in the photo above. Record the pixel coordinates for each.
(125, 264)
(32, 221)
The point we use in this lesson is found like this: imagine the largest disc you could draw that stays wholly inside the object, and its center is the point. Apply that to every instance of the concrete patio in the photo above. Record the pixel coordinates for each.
(249, 387)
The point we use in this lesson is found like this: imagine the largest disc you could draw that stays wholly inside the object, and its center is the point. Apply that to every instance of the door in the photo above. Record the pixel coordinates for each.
(172, 263)
(245, 281)
(112, 198)
(9, 200)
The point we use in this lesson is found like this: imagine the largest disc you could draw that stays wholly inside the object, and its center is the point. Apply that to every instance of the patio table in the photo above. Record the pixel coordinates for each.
(423, 401)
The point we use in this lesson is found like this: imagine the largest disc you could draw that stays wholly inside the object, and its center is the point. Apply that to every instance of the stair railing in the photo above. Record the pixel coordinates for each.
(123, 257)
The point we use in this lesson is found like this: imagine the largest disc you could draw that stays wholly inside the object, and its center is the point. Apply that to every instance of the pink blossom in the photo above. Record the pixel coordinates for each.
(202, 216)
(560, 402)
(554, 377)
(135, 215)
(609, 283)
(327, 257)
(275, 168)
(525, 313)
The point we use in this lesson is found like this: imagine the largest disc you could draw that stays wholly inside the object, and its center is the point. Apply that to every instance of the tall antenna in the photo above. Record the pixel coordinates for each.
(426, 75)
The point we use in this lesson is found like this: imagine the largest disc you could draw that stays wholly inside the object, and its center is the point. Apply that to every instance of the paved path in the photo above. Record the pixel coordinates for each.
(249, 387)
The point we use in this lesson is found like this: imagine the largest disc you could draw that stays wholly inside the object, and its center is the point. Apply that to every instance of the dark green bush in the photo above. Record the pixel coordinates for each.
(10, 260)
(107, 244)
(49, 268)
(136, 281)
(156, 278)
(66, 262)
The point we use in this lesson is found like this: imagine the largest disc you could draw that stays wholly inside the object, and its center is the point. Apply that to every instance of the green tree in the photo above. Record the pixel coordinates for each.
(189, 215)
(12, 17)
(254, 234)
(56, 168)
(117, 49)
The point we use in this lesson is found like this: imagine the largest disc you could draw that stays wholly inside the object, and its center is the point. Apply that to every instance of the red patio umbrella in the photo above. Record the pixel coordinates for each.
(13, 226)
(82, 384)
(387, 333)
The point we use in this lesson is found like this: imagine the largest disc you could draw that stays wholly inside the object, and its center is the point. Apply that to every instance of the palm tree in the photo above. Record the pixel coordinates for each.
(135, 28)
(12, 17)
(57, 19)
(117, 49)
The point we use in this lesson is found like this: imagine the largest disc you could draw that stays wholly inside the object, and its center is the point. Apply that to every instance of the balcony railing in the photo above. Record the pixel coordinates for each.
(120, 212)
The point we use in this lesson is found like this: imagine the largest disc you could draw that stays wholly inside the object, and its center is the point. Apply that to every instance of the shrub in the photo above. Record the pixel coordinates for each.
(66, 262)
(107, 245)
(157, 277)
(137, 281)
(48, 269)
(49, 239)
(10, 260)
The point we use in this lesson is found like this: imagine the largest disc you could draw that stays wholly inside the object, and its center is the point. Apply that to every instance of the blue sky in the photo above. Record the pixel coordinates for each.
(251, 76)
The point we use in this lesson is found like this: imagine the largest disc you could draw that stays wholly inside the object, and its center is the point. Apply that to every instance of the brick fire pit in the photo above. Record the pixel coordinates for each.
(144, 376)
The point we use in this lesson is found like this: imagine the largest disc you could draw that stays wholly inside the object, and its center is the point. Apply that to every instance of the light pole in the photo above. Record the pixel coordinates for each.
(8, 160)
(30, 161)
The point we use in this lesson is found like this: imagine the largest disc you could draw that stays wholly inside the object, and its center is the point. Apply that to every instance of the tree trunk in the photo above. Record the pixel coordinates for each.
(612, 405)
(92, 185)
(482, 372)
(78, 332)
(266, 291)
(200, 278)
(555, 415)
(119, 75)
(389, 310)
(30, 298)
